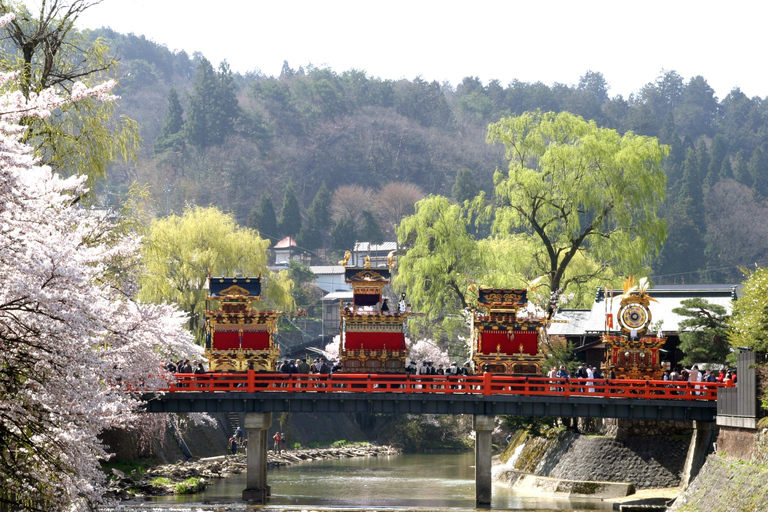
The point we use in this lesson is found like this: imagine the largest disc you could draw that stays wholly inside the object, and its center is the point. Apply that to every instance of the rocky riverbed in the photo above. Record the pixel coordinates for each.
(194, 475)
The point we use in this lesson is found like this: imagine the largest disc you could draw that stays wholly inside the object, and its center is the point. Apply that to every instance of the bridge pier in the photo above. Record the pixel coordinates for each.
(701, 440)
(256, 424)
(483, 426)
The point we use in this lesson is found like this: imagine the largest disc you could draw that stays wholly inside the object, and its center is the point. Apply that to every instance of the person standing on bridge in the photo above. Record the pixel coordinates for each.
(302, 369)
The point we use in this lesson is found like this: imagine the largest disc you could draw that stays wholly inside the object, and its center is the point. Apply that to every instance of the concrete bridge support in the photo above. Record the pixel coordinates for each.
(701, 440)
(483, 426)
(256, 425)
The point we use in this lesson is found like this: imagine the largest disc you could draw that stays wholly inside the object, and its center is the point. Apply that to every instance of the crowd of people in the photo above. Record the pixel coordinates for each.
(300, 366)
(694, 374)
(319, 366)
(428, 368)
(185, 366)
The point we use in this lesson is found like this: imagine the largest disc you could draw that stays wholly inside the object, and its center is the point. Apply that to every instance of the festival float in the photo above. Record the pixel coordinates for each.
(372, 335)
(632, 354)
(505, 335)
(238, 337)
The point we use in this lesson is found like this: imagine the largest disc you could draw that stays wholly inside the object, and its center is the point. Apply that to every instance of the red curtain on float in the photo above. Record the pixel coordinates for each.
(493, 338)
(230, 340)
(374, 341)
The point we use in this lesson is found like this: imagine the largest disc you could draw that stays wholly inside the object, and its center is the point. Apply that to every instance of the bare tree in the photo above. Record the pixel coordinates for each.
(351, 200)
(394, 201)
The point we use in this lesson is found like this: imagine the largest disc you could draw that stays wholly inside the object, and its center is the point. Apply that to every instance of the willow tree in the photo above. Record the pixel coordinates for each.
(439, 263)
(180, 251)
(578, 188)
(44, 46)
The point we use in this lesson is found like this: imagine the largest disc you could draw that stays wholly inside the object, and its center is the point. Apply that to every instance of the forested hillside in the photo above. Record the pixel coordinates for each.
(262, 147)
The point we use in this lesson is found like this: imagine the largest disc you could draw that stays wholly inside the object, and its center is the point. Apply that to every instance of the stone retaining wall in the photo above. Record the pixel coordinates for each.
(726, 484)
(735, 479)
(647, 462)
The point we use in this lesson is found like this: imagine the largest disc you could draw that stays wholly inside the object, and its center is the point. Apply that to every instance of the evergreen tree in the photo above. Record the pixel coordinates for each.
(290, 215)
(683, 251)
(758, 171)
(690, 184)
(718, 152)
(170, 134)
(225, 108)
(703, 332)
(343, 236)
(312, 234)
(370, 231)
(702, 157)
(263, 218)
(464, 188)
(200, 114)
(741, 171)
(725, 169)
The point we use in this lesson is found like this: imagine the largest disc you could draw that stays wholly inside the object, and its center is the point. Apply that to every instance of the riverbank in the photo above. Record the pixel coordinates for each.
(192, 476)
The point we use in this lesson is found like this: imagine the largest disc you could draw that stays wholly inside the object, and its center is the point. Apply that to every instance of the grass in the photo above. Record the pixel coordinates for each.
(189, 486)
(128, 467)
(161, 481)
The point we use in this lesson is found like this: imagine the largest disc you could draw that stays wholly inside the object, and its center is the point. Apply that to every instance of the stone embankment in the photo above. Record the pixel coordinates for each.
(195, 475)
(735, 479)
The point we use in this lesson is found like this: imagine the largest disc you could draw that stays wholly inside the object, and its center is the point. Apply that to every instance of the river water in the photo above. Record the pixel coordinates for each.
(395, 482)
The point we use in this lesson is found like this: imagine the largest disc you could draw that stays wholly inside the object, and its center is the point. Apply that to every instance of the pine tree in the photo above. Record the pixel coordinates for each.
(464, 188)
(690, 184)
(718, 152)
(313, 231)
(200, 111)
(343, 236)
(263, 219)
(290, 215)
(225, 109)
(741, 171)
(170, 134)
(758, 171)
(370, 230)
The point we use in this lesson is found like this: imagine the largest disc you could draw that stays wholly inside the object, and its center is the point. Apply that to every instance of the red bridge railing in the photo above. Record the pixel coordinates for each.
(485, 384)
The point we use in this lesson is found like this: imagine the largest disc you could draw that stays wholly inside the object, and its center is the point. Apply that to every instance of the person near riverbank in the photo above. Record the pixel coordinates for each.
(278, 448)
(233, 445)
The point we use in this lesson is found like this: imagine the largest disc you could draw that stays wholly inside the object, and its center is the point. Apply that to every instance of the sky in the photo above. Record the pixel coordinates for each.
(630, 42)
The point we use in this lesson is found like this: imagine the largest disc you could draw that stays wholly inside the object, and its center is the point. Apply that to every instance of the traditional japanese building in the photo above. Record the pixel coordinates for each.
(238, 337)
(504, 338)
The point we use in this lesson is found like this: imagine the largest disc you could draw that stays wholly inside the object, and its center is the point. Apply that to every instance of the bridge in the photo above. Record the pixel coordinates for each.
(485, 396)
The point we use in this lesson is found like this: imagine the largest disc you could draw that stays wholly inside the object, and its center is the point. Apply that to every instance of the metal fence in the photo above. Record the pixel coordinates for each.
(741, 403)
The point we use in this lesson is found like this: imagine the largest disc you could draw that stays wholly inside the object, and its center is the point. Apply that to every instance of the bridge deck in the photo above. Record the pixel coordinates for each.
(487, 394)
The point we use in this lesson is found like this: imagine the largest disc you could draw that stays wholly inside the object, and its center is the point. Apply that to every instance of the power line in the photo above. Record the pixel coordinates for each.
(756, 264)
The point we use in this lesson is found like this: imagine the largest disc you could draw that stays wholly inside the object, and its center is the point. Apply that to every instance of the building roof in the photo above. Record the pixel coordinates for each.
(369, 247)
(668, 297)
(327, 269)
(333, 296)
(569, 322)
(285, 243)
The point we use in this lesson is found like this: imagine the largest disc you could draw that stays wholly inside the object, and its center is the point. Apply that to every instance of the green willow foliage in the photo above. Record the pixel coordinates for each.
(577, 187)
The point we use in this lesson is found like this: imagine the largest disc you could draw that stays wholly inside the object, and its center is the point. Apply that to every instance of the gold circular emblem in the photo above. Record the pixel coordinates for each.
(634, 316)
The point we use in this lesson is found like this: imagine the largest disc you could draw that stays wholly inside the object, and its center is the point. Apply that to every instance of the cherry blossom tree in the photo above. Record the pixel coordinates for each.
(72, 339)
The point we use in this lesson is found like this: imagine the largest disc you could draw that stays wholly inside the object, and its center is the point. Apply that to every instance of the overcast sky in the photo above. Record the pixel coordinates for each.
(630, 43)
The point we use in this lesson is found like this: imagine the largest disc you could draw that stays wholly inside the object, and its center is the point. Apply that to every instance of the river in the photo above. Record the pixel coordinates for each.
(395, 482)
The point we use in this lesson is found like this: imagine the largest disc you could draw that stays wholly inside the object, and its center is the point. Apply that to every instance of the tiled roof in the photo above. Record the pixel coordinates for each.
(369, 247)
(668, 298)
(572, 322)
(285, 243)
(327, 269)
(338, 295)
